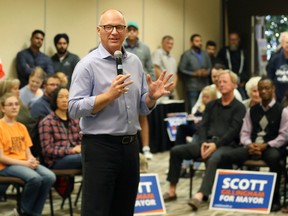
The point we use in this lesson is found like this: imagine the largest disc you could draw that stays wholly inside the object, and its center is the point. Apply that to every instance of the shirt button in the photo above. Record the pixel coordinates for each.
(128, 107)
(129, 122)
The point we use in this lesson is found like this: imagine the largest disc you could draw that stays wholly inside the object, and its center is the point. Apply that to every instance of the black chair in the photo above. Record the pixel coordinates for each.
(68, 173)
(17, 183)
(261, 163)
(192, 171)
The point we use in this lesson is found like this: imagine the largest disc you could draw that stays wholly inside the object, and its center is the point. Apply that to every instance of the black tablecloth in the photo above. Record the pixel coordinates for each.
(159, 139)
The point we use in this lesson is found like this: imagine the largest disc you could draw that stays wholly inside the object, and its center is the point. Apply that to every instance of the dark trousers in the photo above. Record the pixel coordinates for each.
(272, 156)
(192, 151)
(110, 177)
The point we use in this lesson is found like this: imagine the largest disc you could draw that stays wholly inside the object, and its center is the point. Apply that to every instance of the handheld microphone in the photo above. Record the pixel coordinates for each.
(118, 57)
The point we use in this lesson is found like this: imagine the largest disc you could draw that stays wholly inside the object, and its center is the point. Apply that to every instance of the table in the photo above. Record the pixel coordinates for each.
(159, 139)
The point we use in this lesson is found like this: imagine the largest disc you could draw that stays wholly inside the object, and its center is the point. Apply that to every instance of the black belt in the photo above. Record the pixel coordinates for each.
(126, 139)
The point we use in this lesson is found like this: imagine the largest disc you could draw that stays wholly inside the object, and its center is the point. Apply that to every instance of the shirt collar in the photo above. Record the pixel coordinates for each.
(271, 104)
(104, 54)
(164, 52)
(219, 100)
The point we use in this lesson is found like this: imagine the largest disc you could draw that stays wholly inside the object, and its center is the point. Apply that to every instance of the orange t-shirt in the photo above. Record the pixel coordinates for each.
(14, 139)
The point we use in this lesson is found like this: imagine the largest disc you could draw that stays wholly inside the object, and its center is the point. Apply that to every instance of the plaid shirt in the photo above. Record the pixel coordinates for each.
(56, 141)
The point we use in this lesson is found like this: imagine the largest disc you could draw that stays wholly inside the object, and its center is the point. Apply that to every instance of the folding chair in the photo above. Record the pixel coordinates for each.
(262, 163)
(17, 183)
(65, 173)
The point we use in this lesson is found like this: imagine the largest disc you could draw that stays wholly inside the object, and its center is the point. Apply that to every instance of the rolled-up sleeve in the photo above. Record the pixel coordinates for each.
(81, 102)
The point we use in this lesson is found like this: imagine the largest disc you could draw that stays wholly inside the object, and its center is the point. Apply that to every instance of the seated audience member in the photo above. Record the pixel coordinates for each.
(218, 133)
(31, 57)
(194, 120)
(17, 160)
(24, 117)
(41, 107)
(214, 77)
(59, 134)
(33, 91)
(63, 78)
(263, 135)
(252, 92)
(208, 94)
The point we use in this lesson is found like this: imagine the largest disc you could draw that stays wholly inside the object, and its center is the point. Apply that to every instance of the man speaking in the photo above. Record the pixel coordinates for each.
(108, 105)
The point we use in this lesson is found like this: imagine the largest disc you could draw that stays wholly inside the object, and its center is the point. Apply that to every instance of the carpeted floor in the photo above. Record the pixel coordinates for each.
(158, 165)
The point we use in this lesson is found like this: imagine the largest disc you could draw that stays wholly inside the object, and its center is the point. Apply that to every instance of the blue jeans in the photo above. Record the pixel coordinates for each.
(37, 186)
(73, 161)
(192, 97)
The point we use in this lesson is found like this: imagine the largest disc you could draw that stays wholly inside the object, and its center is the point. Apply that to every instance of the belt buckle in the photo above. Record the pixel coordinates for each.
(126, 140)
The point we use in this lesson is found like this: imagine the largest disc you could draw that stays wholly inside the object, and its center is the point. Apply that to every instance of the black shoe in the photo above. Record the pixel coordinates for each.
(168, 198)
(205, 198)
(275, 207)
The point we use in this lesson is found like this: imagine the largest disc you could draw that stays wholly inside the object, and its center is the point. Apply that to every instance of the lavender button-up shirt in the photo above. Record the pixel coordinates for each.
(92, 76)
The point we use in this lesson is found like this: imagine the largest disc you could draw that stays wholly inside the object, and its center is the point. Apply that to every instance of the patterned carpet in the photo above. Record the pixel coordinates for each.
(158, 165)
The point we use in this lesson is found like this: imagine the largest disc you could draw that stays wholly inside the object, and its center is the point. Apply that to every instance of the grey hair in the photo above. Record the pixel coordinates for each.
(252, 82)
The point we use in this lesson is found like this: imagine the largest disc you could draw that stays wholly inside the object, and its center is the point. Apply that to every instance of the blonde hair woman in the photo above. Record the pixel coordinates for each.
(32, 91)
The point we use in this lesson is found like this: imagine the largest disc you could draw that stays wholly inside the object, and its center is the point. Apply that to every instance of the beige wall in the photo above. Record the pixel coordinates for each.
(156, 18)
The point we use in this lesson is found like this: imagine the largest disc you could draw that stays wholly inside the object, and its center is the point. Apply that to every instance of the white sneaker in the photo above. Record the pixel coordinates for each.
(148, 155)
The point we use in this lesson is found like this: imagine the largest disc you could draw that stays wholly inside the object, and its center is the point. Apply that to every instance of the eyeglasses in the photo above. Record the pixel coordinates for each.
(109, 28)
(12, 104)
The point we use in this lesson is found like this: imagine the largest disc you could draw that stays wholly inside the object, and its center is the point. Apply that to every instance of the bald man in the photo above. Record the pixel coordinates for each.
(108, 106)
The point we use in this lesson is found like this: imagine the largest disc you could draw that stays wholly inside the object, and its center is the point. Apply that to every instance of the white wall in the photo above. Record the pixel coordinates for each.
(156, 18)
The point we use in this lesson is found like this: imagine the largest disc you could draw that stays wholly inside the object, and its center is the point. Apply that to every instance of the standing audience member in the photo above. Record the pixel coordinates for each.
(252, 92)
(234, 58)
(63, 60)
(32, 91)
(59, 134)
(16, 159)
(211, 49)
(264, 135)
(277, 68)
(195, 65)
(218, 133)
(41, 107)
(109, 105)
(134, 45)
(163, 60)
(31, 57)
